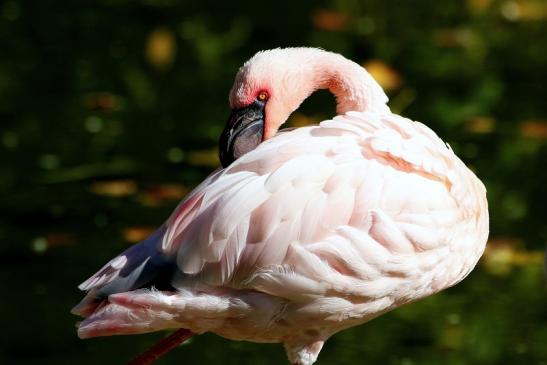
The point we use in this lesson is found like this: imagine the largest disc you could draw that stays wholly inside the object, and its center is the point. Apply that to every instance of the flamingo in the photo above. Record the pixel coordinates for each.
(302, 233)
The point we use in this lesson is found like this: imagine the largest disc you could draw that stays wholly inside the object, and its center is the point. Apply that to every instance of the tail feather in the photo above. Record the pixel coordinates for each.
(143, 265)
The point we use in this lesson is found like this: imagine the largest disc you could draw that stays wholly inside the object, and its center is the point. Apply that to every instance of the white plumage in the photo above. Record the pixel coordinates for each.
(318, 229)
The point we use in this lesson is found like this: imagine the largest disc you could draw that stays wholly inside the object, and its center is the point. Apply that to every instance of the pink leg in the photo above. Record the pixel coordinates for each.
(162, 347)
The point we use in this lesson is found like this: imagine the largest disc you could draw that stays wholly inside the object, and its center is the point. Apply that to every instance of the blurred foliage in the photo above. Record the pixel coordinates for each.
(110, 113)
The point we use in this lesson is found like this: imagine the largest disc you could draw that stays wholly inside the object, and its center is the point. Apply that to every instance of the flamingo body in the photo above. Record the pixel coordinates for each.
(316, 230)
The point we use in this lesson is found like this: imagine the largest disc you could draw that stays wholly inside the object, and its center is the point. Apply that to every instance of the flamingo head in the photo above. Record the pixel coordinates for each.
(267, 89)
(273, 84)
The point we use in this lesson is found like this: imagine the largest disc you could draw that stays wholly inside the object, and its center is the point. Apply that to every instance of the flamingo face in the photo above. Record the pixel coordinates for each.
(243, 132)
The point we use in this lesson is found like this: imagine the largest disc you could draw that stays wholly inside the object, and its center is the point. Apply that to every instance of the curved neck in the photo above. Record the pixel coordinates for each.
(311, 69)
(353, 87)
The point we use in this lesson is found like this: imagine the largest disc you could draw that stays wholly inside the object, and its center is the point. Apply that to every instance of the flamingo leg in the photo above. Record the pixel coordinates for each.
(162, 347)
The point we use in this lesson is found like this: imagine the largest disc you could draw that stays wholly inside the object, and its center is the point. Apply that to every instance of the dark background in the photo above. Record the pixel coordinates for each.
(110, 113)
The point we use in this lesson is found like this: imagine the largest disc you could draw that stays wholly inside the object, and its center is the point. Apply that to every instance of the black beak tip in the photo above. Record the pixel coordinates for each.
(225, 159)
(243, 133)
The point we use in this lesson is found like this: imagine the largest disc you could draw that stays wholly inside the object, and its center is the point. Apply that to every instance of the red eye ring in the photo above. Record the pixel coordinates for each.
(262, 96)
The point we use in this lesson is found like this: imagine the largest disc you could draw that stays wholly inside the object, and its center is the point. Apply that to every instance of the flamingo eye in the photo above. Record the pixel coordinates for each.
(263, 96)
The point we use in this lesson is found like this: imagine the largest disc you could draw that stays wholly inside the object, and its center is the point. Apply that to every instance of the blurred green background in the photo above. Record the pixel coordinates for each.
(110, 113)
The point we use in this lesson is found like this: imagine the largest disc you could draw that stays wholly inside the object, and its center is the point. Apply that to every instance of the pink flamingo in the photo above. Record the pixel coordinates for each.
(313, 231)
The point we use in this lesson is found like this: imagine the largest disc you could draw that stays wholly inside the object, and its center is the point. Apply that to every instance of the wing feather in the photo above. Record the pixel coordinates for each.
(351, 207)
(343, 198)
